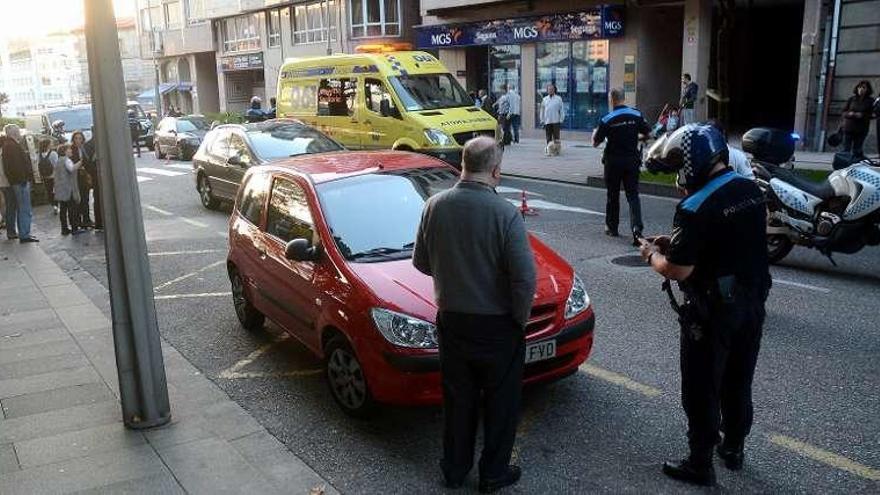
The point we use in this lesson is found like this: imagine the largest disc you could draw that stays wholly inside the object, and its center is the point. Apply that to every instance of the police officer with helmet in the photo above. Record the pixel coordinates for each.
(718, 254)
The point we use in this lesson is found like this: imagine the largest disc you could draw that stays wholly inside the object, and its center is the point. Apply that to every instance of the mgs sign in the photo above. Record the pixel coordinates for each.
(441, 39)
(525, 32)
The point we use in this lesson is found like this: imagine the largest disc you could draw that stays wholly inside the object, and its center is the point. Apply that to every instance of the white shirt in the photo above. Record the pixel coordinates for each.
(515, 102)
(739, 162)
(552, 110)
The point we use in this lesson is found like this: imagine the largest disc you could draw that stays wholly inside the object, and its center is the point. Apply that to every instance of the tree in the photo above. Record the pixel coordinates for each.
(4, 99)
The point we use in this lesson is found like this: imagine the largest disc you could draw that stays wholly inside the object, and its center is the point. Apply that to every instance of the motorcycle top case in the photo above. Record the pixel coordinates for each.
(769, 145)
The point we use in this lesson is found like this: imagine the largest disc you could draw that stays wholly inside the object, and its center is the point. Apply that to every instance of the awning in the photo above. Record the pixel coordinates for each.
(163, 89)
(184, 86)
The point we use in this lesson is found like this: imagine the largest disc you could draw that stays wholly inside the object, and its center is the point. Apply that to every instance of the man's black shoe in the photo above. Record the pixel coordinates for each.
(637, 234)
(611, 233)
(28, 239)
(686, 471)
(733, 458)
(511, 477)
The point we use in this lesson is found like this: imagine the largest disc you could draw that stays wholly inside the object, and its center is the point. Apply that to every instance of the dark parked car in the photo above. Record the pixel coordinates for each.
(146, 134)
(228, 151)
(180, 137)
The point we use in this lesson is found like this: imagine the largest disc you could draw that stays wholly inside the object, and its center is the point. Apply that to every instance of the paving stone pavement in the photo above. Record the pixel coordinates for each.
(60, 419)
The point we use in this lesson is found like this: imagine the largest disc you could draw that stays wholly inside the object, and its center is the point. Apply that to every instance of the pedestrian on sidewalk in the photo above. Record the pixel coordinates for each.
(486, 102)
(67, 190)
(17, 168)
(92, 167)
(502, 107)
(484, 285)
(48, 157)
(552, 115)
(10, 207)
(84, 180)
(622, 128)
(689, 92)
(857, 119)
(515, 112)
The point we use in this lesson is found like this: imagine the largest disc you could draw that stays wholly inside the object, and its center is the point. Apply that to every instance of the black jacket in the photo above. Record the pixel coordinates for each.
(16, 164)
(861, 105)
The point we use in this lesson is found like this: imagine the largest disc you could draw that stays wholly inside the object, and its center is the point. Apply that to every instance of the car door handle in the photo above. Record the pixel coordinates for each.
(368, 122)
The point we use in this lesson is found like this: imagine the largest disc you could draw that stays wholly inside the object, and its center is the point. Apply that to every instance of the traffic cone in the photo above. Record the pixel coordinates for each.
(524, 207)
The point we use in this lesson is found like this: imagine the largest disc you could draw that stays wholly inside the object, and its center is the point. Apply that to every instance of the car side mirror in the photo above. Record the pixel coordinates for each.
(172, 131)
(385, 108)
(301, 250)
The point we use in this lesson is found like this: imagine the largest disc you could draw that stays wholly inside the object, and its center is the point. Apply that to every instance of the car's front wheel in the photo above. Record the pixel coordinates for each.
(205, 194)
(346, 379)
(249, 317)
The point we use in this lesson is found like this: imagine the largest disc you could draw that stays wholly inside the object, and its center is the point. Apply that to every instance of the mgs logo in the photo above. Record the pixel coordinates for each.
(441, 39)
(525, 32)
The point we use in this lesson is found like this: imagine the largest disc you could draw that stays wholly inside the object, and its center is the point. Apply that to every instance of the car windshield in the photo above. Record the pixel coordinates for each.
(375, 217)
(430, 92)
(282, 141)
(138, 111)
(80, 118)
(192, 124)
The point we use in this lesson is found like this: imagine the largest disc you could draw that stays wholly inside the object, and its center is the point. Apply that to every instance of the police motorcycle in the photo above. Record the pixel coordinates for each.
(838, 215)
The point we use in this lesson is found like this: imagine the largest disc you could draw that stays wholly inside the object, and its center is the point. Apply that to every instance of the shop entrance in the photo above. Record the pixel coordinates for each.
(477, 63)
(579, 70)
(763, 76)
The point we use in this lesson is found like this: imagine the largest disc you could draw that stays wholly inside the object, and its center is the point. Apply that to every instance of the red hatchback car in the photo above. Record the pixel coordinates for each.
(322, 246)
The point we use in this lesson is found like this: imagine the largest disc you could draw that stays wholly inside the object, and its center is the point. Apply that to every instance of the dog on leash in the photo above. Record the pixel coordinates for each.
(553, 148)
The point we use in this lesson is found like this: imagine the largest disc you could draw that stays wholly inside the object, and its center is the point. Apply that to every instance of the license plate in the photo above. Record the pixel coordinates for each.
(540, 351)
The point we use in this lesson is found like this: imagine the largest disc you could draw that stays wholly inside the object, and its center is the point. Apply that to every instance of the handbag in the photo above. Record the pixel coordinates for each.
(836, 138)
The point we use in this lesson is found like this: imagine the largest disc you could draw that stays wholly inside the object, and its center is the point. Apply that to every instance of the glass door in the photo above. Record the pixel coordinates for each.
(579, 70)
(504, 68)
(552, 63)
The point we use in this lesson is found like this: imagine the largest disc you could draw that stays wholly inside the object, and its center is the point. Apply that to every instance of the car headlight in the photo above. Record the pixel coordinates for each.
(405, 331)
(578, 300)
(438, 137)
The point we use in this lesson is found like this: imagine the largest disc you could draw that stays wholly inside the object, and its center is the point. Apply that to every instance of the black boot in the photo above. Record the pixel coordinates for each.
(509, 478)
(732, 455)
(695, 469)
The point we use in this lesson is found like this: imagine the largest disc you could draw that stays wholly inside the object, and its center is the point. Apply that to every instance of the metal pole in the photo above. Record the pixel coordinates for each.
(153, 35)
(142, 387)
(327, 17)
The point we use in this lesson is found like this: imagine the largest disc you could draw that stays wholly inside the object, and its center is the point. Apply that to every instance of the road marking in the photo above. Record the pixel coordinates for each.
(540, 204)
(620, 380)
(513, 190)
(192, 296)
(224, 235)
(188, 275)
(159, 171)
(825, 457)
(158, 210)
(194, 223)
(144, 179)
(231, 372)
(580, 186)
(180, 166)
(802, 286)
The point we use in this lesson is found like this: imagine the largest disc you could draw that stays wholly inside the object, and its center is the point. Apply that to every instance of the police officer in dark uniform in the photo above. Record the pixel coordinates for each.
(622, 159)
(134, 129)
(718, 255)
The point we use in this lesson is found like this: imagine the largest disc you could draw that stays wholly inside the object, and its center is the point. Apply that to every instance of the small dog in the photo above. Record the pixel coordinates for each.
(553, 148)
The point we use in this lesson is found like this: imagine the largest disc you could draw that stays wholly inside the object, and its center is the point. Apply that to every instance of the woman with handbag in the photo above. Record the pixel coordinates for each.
(67, 190)
(79, 154)
(857, 119)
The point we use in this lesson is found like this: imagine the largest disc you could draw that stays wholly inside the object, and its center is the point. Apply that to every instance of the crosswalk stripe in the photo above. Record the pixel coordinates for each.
(144, 179)
(159, 171)
(180, 166)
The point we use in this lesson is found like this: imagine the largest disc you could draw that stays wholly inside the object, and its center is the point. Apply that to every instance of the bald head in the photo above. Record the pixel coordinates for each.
(618, 97)
(481, 155)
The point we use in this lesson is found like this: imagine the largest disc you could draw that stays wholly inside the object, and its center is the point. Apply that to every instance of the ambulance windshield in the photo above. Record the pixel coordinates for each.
(430, 92)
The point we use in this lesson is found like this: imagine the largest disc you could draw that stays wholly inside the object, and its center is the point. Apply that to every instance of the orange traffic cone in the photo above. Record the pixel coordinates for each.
(524, 207)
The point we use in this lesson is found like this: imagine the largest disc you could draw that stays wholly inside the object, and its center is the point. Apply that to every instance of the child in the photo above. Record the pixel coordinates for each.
(67, 190)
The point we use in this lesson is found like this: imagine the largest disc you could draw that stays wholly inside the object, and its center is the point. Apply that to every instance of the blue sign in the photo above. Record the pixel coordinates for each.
(598, 23)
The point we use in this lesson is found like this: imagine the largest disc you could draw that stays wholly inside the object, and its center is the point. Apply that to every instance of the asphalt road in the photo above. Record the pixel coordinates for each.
(603, 430)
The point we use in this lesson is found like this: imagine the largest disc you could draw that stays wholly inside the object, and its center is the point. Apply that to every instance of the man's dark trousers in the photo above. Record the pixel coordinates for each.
(479, 354)
(716, 376)
(623, 171)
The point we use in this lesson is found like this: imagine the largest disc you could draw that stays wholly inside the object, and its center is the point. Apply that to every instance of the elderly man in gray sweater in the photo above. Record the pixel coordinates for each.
(474, 244)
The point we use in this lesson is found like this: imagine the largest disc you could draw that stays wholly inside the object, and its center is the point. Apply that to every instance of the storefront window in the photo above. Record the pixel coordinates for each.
(374, 18)
(504, 68)
(580, 72)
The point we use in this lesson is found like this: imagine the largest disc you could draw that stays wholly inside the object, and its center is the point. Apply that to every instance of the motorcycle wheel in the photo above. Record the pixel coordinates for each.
(778, 247)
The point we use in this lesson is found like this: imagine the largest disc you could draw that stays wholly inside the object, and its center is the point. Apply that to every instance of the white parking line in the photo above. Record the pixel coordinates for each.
(180, 253)
(620, 380)
(825, 457)
(232, 371)
(158, 210)
(513, 190)
(192, 296)
(159, 171)
(188, 275)
(180, 166)
(194, 223)
(540, 204)
(815, 288)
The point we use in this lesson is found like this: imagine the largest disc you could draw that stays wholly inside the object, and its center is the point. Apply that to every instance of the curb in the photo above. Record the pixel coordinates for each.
(599, 183)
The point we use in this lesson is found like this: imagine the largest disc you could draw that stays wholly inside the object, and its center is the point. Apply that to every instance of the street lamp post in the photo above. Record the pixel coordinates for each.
(143, 390)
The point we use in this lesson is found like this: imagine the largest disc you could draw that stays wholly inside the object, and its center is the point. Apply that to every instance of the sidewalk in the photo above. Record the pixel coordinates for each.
(61, 428)
(579, 160)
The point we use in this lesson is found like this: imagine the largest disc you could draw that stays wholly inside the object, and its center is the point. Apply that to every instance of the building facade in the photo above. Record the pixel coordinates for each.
(254, 37)
(40, 72)
(175, 36)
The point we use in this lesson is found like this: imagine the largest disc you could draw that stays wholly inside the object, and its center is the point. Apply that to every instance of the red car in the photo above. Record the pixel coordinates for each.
(322, 246)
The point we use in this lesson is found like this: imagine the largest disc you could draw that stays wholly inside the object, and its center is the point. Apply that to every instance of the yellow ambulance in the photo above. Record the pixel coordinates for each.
(383, 98)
